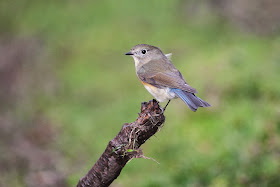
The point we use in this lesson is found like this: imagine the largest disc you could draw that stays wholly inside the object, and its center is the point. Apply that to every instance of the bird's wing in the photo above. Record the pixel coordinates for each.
(161, 77)
(169, 55)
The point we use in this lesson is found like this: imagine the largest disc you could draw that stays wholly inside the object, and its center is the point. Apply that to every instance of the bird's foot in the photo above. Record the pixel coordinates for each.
(163, 109)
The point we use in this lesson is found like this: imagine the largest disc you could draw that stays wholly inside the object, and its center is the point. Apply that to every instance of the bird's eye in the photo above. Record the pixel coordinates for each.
(143, 51)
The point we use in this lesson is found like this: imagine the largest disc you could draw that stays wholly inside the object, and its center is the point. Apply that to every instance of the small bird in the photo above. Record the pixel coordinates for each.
(161, 78)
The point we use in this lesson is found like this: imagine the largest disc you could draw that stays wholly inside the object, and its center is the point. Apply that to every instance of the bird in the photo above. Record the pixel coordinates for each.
(161, 78)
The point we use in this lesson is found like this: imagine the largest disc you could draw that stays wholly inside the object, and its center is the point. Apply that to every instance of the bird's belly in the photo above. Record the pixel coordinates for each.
(161, 94)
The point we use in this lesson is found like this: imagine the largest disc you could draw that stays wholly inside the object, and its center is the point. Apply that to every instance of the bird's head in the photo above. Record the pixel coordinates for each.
(143, 53)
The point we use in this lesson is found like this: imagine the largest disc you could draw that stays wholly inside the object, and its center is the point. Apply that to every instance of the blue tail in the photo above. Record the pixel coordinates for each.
(190, 99)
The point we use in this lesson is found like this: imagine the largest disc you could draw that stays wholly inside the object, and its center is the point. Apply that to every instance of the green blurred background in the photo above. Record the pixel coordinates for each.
(66, 89)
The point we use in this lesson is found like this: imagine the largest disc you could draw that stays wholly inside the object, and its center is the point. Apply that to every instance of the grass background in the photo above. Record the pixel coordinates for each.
(233, 143)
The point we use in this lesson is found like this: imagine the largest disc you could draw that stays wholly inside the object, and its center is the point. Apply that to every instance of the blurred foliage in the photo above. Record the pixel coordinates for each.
(84, 88)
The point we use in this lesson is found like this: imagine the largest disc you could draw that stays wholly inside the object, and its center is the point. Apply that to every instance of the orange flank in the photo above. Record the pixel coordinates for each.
(148, 85)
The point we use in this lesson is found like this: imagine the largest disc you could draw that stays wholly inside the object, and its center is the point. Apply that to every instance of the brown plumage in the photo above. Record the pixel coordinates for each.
(161, 78)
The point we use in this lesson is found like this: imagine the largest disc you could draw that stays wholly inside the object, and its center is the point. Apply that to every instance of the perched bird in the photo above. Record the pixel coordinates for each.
(161, 78)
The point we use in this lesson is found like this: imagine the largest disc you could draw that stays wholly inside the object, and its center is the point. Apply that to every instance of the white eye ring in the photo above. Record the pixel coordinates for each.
(143, 51)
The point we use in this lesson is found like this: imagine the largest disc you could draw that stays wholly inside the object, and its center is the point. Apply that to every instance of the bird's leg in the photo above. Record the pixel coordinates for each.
(166, 105)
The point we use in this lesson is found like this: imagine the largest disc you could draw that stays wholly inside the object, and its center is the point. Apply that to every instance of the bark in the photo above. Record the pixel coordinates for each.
(125, 146)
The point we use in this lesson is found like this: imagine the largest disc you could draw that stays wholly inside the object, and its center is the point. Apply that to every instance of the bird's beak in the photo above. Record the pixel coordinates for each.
(129, 53)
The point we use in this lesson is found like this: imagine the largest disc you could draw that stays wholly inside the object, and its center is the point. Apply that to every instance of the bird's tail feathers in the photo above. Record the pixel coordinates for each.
(190, 99)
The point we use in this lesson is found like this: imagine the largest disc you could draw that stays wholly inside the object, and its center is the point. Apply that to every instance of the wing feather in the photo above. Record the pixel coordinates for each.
(161, 77)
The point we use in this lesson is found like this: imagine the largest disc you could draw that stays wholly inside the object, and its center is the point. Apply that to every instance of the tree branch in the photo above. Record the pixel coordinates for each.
(125, 146)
